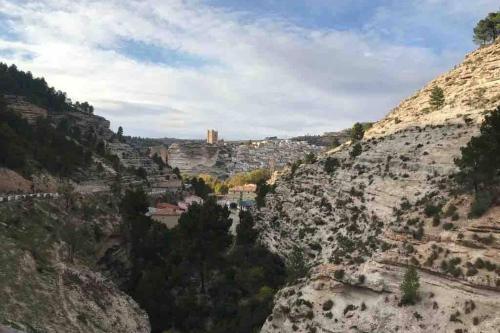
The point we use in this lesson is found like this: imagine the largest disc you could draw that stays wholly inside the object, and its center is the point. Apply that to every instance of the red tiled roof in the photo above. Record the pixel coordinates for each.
(163, 205)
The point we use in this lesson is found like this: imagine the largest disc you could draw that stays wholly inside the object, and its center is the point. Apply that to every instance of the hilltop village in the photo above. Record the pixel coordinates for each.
(161, 169)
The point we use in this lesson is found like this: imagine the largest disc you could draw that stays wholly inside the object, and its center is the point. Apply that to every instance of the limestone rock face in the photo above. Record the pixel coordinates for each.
(393, 205)
(43, 290)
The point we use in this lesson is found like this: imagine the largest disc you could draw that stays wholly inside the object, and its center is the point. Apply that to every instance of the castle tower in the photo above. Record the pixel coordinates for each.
(212, 136)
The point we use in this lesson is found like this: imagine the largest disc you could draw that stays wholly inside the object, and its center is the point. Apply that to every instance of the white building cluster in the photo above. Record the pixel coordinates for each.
(273, 154)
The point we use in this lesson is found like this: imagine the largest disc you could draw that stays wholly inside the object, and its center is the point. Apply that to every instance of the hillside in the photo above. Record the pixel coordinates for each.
(49, 280)
(392, 206)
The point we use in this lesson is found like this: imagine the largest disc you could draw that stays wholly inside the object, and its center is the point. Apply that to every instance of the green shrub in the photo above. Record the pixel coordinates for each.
(310, 158)
(479, 263)
(339, 274)
(448, 226)
(327, 305)
(436, 98)
(432, 210)
(357, 132)
(482, 202)
(331, 164)
(409, 286)
(356, 150)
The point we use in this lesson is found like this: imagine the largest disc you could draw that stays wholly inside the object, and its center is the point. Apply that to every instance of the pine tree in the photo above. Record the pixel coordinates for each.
(119, 134)
(480, 160)
(409, 286)
(245, 231)
(357, 132)
(205, 229)
(487, 29)
(331, 164)
(437, 98)
(356, 150)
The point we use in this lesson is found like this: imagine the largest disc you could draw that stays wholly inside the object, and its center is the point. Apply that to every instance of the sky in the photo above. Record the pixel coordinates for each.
(250, 69)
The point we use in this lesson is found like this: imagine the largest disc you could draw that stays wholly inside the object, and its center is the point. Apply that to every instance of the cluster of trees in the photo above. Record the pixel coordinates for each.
(479, 163)
(200, 187)
(25, 148)
(196, 277)
(37, 91)
(487, 29)
(251, 177)
(210, 184)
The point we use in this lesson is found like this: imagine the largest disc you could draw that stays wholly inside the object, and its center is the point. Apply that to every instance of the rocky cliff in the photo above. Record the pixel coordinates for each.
(392, 206)
(49, 280)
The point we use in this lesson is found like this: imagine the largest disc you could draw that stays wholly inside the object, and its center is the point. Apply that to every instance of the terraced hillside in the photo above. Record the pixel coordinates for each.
(363, 222)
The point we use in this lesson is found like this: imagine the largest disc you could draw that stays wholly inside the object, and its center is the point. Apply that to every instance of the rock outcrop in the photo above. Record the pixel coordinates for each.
(45, 286)
(392, 206)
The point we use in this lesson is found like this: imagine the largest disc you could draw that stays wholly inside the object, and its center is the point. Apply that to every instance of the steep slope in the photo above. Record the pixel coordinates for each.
(393, 205)
(48, 280)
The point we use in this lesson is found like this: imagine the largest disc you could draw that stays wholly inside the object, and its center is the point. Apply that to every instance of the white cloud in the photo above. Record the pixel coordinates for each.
(261, 76)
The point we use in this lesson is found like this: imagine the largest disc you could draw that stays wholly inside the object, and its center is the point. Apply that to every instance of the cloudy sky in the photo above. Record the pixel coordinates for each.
(249, 68)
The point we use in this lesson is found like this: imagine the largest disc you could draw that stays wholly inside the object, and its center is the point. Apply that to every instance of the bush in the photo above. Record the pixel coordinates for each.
(432, 210)
(331, 164)
(356, 150)
(327, 305)
(310, 158)
(349, 308)
(448, 226)
(436, 98)
(409, 286)
(471, 271)
(296, 267)
(357, 132)
(339, 274)
(482, 202)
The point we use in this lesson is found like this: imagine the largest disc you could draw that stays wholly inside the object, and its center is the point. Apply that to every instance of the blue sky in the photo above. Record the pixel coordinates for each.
(248, 68)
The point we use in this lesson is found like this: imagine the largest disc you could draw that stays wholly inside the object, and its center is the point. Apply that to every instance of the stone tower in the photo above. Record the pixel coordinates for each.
(212, 136)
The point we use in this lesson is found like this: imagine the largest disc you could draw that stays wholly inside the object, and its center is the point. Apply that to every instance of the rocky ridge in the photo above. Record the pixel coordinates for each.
(392, 206)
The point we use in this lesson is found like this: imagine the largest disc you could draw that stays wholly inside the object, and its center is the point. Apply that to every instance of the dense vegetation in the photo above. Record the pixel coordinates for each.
(480, 163)
(36, 90)
(204, 184)
(196, 277)
(26, 148)
(487, 29)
